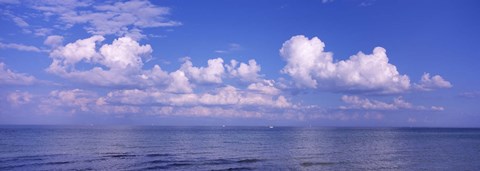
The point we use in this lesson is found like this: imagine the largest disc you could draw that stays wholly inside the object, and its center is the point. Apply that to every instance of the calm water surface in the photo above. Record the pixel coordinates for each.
(237, 148)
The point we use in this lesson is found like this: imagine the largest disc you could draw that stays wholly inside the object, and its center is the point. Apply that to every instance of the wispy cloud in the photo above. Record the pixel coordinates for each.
(10, 77)
(20, 47)
(19, 21)
(356, 102)
(367, 3)
(120, 18)
(327, 1)
(18, 98)
(231, 48)
(470, 94)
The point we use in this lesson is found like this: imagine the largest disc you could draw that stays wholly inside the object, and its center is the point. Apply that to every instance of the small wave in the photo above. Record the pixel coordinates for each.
(37, 164)
(19, 159)
(219, 162)
(93, 160)
(179, 164)
(56, 163)
(29, 157)
(12, 167)
(308, 164)
(154, 168)
(228, 161)
(157, 155)
(119, 155)
(249, 160)
(168, 166)
(235, 169)
(156, 161)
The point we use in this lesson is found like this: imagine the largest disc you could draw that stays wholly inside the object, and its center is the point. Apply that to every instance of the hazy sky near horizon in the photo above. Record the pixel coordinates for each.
(314, 62)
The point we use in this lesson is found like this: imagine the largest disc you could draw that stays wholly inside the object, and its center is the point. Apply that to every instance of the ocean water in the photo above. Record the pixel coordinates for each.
(237, 148)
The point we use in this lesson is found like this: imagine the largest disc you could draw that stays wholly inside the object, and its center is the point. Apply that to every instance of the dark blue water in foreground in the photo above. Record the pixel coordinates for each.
(237, 148)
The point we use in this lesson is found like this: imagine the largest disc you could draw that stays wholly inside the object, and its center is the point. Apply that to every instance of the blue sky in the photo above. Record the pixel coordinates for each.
(316, 62)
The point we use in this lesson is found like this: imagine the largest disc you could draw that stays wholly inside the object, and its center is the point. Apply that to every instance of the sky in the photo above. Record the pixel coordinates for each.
(270, 62)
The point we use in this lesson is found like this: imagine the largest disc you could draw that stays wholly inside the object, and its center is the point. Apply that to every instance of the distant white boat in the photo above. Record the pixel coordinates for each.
(223, 126)
(270, 126)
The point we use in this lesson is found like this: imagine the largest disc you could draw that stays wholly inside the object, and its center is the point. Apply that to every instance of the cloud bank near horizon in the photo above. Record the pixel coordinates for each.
(222, 88)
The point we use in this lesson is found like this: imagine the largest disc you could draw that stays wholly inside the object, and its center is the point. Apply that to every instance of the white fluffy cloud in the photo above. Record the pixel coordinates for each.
(310, 66)
(428, 83)
(265, 87)
(211, 74)
(121, 64)
(355, 102)
(246, 72)
(9, 77)
(230, 95)
(124, 53)
(72, 53)
(122, 58)
(179, 83)
(224, 96)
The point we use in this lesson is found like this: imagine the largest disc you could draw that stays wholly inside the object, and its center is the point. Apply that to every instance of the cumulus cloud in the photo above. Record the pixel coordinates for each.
(179, 83)
(122, 58)
(355, 102)
(124, 53)
(230, 95)
(310, 66)
(211, 74)
(9, 77)
(428, 83)
(246, 72)
(20, 47)
(69, 55)
(225, 96)
(265, 87)
(121, 64)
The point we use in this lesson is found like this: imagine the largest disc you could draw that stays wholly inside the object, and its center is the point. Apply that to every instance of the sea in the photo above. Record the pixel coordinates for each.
(237, 148)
